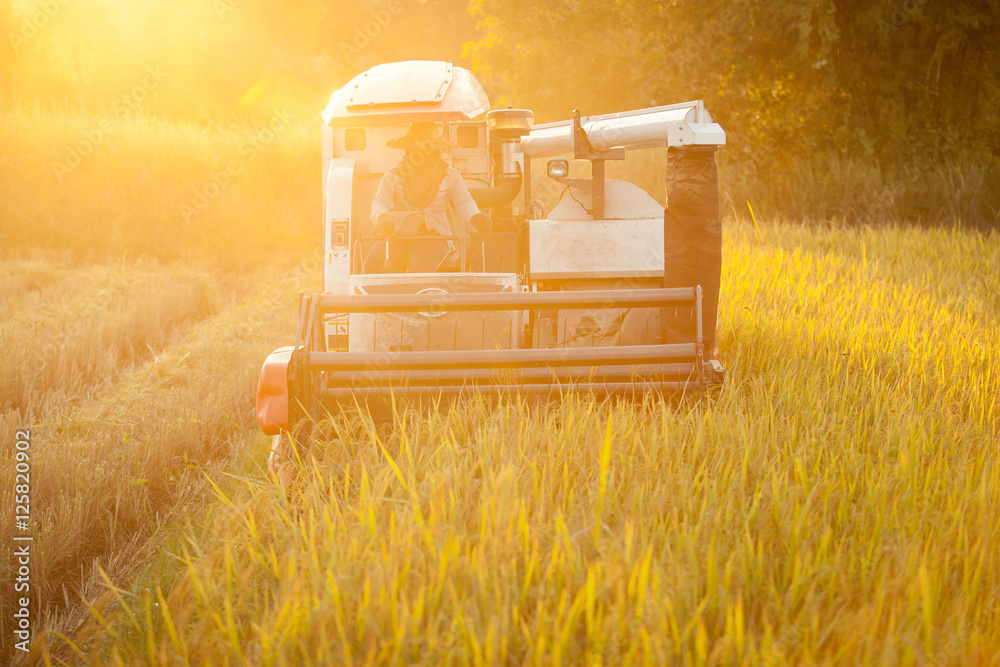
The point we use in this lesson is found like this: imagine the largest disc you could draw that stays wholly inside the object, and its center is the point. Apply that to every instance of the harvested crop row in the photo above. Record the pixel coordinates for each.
(24, 279)
(82, 332)
(106, 478)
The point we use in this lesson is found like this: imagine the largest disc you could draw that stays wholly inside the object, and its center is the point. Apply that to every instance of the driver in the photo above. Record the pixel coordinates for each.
(413, 199)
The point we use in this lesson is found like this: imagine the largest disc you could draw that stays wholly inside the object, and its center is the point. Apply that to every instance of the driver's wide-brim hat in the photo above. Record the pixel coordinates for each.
(428, 136)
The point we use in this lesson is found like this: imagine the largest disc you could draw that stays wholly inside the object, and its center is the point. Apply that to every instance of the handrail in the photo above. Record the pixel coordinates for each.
(663, 297)
(315, 375)
(516, 358)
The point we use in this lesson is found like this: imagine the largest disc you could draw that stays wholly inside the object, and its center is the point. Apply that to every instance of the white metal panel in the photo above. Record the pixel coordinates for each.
(457, 330)
(413, 82)
(696, 134)
(596, 248)
(622, 201)
(634, 129)
(392, 87)
(472, 163)
(326, 152)
(337, 255)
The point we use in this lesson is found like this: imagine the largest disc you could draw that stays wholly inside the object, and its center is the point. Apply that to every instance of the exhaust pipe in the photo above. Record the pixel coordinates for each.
(498, 195)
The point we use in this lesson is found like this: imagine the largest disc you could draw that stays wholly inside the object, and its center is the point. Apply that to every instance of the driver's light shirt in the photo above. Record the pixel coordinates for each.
(451, 191)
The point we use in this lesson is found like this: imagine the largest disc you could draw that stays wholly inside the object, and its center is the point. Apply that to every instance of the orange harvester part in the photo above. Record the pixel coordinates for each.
(272, 392)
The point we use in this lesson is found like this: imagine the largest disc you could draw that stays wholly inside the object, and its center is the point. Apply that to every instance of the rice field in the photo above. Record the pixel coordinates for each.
(834, 502)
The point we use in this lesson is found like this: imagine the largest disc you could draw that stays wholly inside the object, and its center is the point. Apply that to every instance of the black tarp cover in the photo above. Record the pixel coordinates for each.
(692, 235)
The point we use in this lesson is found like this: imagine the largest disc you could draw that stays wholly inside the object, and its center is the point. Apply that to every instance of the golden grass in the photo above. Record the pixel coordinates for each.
(79, 332)
(826, 188)
(24, 279)
(835, 502)
(848, 189)
(134, 374)
(113, 471)
(103, 187)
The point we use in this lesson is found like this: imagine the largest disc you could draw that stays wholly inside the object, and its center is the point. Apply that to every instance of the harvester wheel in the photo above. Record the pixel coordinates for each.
(281, 463)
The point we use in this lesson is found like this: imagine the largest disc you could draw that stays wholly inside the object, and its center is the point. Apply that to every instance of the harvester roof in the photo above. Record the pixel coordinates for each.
(406, 92)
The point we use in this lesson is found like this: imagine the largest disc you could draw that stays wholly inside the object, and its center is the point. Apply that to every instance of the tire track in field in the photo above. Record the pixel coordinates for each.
(60, 343)
(80, 331)
(24, 279)
(129, 461)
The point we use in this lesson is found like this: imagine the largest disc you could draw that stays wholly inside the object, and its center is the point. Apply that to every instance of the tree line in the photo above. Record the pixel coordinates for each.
(905, 87)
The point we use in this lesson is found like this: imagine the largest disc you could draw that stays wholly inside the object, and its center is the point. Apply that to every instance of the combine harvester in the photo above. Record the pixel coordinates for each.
(607, 292)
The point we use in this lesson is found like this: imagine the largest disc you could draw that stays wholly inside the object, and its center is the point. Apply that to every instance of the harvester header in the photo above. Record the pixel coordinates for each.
(445, 274)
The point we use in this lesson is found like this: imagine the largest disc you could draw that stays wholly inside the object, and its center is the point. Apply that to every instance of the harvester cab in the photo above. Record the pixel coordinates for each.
(607, 292)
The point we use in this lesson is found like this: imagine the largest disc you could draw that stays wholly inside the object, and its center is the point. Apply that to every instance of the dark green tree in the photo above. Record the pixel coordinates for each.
(888, 80)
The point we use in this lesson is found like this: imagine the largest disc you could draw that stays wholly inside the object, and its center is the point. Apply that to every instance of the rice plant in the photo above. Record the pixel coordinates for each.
(834, 502)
